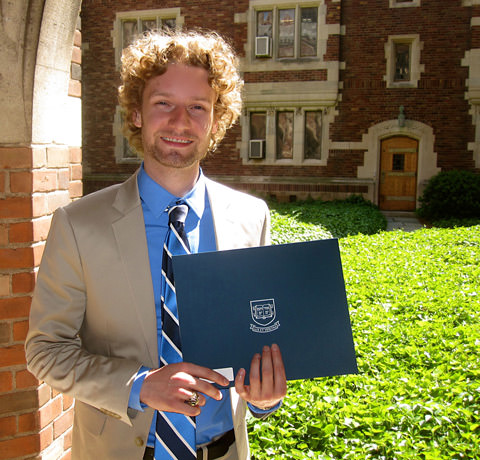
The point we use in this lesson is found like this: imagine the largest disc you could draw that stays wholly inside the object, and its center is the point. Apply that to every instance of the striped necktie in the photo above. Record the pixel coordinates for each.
(175, 433)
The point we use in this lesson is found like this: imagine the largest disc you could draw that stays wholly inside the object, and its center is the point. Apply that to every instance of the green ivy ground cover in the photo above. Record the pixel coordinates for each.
(415, 311)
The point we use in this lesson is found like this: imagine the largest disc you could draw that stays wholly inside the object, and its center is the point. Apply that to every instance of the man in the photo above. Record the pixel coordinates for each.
(96, 318)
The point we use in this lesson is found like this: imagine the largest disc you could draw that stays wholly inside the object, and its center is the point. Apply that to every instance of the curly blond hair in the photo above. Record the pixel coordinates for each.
(150, 55)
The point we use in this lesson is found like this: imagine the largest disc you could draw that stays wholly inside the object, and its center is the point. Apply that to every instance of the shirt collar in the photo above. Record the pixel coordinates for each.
(158, 199)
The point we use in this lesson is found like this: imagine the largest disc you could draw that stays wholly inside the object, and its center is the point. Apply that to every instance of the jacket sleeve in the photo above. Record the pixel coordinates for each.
(54, 350)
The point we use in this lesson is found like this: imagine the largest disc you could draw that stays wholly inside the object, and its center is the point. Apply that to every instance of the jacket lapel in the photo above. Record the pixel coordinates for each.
(223, 220)
(129, 230)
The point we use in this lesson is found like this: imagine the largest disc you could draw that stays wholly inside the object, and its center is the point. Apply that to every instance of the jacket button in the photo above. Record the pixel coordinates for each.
(139, 441)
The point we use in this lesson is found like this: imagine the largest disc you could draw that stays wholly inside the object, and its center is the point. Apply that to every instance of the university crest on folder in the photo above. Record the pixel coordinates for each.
(263, 314)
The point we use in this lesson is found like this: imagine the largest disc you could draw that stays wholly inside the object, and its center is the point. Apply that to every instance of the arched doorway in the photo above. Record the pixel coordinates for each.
(398, 174)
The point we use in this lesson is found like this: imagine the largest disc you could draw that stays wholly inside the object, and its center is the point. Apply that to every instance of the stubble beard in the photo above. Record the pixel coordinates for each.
(174, 158)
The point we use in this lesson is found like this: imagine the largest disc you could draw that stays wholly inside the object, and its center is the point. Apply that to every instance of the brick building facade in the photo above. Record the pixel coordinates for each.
(332, 86)
(341, 69)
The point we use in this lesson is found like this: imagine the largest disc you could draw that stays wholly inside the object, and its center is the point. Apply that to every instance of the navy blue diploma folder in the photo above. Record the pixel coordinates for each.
(232, 303)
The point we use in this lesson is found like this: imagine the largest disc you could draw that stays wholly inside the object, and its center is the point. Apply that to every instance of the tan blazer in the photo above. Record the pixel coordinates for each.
(92, 321)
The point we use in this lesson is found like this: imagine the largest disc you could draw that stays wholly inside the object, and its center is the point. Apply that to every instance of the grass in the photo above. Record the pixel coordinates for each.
(415, 312)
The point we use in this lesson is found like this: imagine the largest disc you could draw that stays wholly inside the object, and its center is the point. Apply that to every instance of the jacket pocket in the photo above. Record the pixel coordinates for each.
(89, 418)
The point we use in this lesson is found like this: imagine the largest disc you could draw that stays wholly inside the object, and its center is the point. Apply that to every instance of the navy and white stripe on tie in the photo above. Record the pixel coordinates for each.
(175, 433)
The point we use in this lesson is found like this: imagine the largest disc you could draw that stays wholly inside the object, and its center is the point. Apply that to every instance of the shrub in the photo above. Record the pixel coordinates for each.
(451, 194)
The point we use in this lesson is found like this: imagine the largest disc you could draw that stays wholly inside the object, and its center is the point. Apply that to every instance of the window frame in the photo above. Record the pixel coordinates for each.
(305, 127)
(416, 68)
(121, 144)
(271, 153)
(276, 8)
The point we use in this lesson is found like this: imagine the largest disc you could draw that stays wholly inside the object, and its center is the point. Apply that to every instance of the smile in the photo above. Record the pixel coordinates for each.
(176, 141)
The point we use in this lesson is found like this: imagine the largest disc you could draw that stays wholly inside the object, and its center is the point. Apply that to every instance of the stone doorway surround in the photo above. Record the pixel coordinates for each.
(371, 142)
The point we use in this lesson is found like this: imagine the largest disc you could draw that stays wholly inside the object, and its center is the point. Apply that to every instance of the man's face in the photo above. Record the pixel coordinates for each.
(177, 117)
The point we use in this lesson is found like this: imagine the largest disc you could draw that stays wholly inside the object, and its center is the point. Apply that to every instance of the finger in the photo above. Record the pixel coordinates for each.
(254, 376)
(267, 369)
(280, 378)
(255, 384)
(206, 374)
(188, 383)
(240, 387)
(201, 401)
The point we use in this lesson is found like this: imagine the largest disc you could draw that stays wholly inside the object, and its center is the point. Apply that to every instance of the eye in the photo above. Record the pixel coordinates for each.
(198, 107)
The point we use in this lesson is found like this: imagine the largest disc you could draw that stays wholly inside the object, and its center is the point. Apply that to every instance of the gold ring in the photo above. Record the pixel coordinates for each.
(193, 400)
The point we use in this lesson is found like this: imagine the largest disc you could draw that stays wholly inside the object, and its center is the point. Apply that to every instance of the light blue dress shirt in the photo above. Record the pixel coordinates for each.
(216, 417)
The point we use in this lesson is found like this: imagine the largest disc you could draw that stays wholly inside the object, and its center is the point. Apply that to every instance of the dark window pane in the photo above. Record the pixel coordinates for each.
(313, 135)
(398, 162)
(128, 150)
(258, 125)
(264, 23)
(149, 24)
(284, 135)
(129, 32)
(286, 33)
(402, 62)
(169, 23)
(308, 32)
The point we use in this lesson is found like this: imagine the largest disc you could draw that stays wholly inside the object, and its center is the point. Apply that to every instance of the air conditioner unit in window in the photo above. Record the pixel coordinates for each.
(262, 46)
(257, 148)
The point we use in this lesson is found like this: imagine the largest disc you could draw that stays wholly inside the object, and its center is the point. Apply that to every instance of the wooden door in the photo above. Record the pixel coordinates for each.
(398, 176)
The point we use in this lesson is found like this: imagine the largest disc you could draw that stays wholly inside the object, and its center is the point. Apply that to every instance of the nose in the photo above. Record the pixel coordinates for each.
(179, 117)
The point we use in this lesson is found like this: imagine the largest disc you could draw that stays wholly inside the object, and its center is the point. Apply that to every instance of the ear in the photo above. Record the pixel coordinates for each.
(137, 119)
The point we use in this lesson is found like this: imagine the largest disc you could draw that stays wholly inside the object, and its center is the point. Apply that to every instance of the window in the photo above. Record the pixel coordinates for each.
(131, 28)
(404, 3)
(258, 130)
(265, 24)
(313, 135)
(308, 32)
(402, 61)
(285, 136)
(402, 54)
(290, 32)
(398, 162)
(128, 26)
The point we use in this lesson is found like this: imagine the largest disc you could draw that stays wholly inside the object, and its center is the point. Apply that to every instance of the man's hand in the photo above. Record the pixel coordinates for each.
(267, 386)
(167, 388)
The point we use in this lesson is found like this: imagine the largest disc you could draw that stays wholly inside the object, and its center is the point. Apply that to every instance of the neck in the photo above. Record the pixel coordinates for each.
(177, 181)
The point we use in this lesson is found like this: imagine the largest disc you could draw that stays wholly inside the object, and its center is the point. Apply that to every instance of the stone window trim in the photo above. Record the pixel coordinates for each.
(250, 63)
(416, 68)
(270, 157)
(404, 3)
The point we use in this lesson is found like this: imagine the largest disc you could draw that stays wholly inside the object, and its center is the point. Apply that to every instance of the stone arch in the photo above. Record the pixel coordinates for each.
(427, 157)
(52, 108)
(39, 170)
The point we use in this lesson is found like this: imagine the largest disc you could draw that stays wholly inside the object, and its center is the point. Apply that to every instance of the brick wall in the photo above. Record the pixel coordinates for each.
(34, 181)
(364, 100)
(439, 101)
